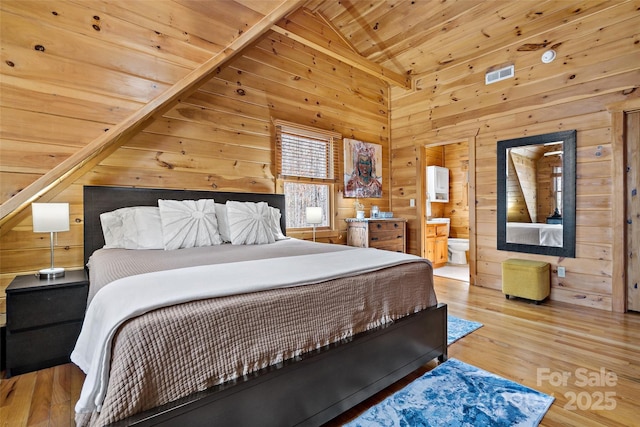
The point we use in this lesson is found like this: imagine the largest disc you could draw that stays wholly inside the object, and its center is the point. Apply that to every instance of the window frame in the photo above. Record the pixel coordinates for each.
(333, 139)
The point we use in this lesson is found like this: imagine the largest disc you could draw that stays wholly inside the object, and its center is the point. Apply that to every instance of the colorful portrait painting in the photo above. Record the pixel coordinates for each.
(362, 169)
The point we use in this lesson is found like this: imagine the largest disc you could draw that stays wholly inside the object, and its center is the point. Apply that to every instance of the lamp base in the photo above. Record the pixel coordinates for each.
(51, 273)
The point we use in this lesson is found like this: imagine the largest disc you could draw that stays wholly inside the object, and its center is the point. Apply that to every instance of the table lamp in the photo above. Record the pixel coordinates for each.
(314, 217)
(50, 218)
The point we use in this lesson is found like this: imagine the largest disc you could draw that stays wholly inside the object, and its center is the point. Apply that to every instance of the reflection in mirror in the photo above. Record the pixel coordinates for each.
(536, 194)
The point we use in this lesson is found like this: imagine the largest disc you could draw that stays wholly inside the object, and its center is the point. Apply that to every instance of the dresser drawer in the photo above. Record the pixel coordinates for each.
(395, 245)
(41, 348)
(41, 307)
(386, 225)
(384, 236)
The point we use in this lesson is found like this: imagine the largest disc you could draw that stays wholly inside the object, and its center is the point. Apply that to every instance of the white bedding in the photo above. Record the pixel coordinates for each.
(129, 297)
(534, 234)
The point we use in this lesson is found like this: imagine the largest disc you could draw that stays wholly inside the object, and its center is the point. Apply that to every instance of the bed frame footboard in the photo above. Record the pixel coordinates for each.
(316, 387)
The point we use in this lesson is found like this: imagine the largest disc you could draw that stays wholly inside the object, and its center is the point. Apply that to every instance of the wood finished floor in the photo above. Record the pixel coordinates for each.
(518, 340)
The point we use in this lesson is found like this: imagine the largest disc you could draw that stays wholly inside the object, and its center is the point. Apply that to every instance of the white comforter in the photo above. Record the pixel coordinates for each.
(132, 296)
(534, 234)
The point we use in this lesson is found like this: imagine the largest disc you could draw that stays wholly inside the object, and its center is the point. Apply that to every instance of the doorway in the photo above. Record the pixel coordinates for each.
(459, 158)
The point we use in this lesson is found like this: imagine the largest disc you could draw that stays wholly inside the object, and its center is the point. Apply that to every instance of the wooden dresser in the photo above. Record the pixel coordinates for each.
(380, 233)
(437, 244)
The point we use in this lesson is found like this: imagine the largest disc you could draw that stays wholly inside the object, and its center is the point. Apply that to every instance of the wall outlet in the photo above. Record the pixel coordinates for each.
(561, 271)
(412, 203)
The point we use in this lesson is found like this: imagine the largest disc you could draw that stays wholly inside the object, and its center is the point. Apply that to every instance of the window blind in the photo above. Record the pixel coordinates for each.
(306, 152)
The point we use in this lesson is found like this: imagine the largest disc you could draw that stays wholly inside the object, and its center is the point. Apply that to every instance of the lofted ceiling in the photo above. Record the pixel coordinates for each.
(103, 69)
(419, 37)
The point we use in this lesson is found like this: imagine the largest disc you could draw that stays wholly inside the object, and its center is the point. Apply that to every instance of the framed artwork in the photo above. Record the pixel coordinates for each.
(362, 169)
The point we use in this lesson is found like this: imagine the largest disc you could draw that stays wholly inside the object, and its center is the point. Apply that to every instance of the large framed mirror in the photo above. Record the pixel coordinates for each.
(537, 194)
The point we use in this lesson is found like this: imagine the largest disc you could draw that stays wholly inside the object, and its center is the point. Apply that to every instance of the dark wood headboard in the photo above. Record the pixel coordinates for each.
(98, 200)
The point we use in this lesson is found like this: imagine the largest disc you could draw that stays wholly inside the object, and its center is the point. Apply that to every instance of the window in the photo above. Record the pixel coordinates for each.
(306, 161)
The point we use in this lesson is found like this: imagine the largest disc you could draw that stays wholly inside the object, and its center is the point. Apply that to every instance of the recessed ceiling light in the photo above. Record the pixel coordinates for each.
(548, 56)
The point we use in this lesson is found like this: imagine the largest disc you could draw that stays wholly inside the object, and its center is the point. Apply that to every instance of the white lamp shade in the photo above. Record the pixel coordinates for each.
(50, 217)
(314, 215)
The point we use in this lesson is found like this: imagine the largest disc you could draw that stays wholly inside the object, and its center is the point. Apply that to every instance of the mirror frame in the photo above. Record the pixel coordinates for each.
(568, 194)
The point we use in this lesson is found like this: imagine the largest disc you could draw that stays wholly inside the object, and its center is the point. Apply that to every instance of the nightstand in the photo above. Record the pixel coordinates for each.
(44, 318)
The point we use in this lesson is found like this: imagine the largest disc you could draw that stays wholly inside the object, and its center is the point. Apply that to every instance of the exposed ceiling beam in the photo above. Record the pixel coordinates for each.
(97, 150)
(341, 36)
(346, 56)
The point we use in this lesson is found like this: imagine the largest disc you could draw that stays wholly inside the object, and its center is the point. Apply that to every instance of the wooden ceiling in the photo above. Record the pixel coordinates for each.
(420, 37)
(102, 69)
(81, 77)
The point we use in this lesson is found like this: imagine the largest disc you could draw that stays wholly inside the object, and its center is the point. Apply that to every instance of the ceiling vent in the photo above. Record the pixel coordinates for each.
(500, 74)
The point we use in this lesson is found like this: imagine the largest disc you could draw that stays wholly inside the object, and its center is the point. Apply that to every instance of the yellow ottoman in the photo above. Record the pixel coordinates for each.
(526, 279)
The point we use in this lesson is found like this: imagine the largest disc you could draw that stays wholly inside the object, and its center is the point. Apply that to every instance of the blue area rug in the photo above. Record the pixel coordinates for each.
(457, 394)
(458, 328)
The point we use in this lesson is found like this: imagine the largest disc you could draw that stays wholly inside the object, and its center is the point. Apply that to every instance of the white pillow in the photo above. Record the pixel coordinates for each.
(112, 228)
(142, 228)
(275, 224)
(249, 223)
(223, 223)
(189, 223)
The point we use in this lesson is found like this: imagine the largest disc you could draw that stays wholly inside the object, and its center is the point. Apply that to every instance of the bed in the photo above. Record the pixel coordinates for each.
(301, 388)
(538, 234)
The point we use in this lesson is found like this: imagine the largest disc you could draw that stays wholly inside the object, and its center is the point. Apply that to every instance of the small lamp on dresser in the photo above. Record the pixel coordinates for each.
(50, 218)
(314, 217)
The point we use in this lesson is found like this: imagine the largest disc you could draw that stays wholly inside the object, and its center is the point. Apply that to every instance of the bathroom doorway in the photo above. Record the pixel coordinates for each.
(459, 158)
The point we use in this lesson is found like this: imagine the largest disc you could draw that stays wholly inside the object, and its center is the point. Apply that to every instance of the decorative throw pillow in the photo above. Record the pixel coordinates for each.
(275, 224)
(249, 223)
(189, 223)
(142, 228)
(112, 228)
(223, 223)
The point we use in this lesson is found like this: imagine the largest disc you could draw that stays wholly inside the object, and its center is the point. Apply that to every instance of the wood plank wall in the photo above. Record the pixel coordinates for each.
(597, 65)
(219, 138)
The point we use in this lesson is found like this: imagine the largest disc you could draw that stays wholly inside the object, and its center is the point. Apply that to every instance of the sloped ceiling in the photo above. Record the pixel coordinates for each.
(80, 77)
(424, 37)
(90, 67)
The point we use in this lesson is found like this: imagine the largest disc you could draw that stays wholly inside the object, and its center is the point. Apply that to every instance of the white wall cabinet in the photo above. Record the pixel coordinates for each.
(438, 184)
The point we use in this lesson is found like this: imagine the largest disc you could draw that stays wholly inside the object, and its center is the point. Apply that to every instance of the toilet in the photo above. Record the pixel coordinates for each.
(458, 250)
